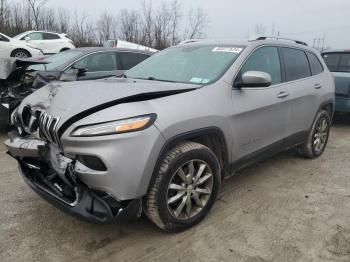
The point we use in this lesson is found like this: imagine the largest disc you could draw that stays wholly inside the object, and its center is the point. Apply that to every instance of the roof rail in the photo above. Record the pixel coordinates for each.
(278, 38)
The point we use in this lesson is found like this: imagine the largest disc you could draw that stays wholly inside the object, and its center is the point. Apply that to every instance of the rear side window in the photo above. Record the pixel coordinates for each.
(332, 61)
(265, 59)
(49, 36)
(296, 64)
(344, 65)
(129, 60)
(315, 64)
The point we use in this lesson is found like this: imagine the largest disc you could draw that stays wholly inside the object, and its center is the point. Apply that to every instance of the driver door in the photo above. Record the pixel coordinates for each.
(260, 114)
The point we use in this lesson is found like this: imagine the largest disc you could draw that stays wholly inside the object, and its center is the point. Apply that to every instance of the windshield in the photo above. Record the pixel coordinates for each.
(187, 64)
(56, 60)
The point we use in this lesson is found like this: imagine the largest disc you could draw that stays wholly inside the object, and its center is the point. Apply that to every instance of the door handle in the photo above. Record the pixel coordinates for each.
(283, 94)
(318, 86)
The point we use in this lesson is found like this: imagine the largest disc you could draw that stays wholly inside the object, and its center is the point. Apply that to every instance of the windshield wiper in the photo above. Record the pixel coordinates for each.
(156, 79)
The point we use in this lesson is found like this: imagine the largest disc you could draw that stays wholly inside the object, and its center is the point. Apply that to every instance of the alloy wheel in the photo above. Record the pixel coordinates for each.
(320, 135)
(189, 189)
(21, 54)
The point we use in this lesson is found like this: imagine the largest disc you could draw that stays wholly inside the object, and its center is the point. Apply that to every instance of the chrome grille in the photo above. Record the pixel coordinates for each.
(29, 120)
(47, 127)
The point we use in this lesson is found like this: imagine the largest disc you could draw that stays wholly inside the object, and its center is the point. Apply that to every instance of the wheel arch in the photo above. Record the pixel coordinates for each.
(212, 137)
(21, 49)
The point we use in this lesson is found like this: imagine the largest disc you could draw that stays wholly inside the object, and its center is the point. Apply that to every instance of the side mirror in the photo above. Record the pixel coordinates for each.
(254, 79)
(27, 38)
(80, 70)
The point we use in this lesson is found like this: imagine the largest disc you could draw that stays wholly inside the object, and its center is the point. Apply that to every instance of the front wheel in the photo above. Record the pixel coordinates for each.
(20, 53)
(318, 136)
(185, 187)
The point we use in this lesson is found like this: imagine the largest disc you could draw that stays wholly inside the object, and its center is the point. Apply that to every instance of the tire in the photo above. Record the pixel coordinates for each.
(311, 149)
(20, 53)
(159, 205)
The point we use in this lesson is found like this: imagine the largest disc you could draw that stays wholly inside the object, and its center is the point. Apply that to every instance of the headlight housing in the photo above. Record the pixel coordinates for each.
(115, 127)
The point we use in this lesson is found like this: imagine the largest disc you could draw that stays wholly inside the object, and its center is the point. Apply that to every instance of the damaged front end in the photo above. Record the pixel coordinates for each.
(56, 178)
(16, 82)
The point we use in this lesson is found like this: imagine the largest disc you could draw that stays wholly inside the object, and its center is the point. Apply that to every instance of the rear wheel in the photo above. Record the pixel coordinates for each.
(20, 53)
(185, 187)
(318, 136)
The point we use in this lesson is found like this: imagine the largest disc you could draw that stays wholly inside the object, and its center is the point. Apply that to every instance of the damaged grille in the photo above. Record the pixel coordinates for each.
(29, 120)
(40, 124)
(47, 127)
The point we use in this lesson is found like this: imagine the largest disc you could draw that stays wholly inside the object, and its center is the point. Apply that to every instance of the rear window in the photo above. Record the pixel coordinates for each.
(129, 60)
(296, 64)
(315, 64)
(49, 36)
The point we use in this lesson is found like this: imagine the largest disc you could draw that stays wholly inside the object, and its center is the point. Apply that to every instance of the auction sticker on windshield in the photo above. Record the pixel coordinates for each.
(227, 49)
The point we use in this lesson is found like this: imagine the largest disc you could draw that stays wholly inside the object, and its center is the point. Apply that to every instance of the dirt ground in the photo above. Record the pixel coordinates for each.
(283, 209)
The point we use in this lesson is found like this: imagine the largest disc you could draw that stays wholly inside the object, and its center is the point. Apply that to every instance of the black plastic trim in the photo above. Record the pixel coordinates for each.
(187, 136)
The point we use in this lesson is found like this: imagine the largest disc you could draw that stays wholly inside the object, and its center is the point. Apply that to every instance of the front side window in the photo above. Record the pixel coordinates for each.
(33, 36)
(265, 59)
(191, 64)
(49, 36)
(129, 60)
(296, 64)
(315, 64)
(101, 61)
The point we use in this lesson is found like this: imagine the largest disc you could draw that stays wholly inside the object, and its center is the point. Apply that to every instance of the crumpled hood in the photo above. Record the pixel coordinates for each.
(79, 99)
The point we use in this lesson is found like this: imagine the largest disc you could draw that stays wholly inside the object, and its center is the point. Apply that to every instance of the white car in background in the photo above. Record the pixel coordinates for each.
(10, 47)
(49, 42)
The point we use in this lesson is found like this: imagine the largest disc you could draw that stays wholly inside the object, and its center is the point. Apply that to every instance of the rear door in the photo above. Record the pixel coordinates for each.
(304, 88)
(260, 115)
(52, 43)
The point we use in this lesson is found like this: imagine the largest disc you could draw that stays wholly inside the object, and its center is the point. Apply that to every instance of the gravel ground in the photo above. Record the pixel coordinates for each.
(283, 209)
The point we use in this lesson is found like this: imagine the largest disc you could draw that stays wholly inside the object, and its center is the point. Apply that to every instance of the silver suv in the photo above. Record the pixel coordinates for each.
(163, 138)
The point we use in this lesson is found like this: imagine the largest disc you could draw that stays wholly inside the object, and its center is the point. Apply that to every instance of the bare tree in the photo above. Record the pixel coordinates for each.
(176, 16)
(106, 26)
(35, 6)
(197, 21)
(129, 25)
(155, 27)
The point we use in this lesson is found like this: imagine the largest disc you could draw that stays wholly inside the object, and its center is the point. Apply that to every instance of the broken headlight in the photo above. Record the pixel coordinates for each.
(115, 127)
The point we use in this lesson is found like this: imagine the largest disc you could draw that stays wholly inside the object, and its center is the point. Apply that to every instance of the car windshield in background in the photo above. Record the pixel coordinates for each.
(187, 64)
(337, 62)
(56, 60)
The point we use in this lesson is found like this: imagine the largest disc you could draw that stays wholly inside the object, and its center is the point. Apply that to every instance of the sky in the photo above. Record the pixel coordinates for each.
(236, 19)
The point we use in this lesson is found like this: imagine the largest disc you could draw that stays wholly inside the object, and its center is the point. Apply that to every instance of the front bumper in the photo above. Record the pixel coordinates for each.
(59, 184)
(88, 205)
(342, 104)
